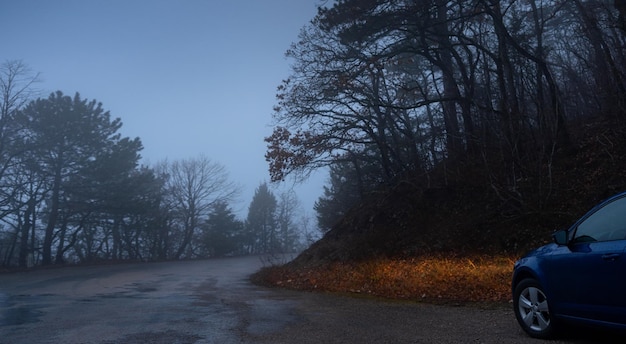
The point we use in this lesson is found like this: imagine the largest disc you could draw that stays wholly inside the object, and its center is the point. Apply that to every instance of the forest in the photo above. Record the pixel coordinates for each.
(73, 191)
(454, 120)
(432, 117)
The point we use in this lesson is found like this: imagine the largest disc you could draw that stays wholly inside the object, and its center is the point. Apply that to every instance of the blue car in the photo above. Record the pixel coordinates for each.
(579, 278)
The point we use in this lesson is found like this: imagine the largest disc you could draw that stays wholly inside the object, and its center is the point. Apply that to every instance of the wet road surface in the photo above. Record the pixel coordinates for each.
(211, 301)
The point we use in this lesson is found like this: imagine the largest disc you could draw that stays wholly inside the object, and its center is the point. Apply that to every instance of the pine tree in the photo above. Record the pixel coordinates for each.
(261, 223)
(222, 233)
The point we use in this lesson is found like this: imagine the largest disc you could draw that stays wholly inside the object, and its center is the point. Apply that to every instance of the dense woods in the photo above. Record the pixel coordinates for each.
(430, 96)
(443, 95)
(72, 190)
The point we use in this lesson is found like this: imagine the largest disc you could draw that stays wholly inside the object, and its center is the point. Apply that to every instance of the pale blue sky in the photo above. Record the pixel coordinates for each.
(188, 77)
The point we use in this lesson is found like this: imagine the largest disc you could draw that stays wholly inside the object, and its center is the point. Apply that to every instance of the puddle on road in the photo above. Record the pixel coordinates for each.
(13, 312)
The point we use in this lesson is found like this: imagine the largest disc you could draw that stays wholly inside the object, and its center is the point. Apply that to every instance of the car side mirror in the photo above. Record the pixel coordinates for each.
(560, 237)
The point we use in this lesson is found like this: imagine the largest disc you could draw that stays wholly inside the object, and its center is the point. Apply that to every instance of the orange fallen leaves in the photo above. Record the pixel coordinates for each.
(462, 279)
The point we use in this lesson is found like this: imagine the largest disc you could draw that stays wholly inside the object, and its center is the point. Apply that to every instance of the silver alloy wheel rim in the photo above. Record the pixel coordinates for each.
(533, 308)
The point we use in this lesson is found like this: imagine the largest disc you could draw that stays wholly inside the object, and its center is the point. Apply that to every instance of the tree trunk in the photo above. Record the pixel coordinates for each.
(454, 143)
(46, 258)
(608, 76)
(26, 227)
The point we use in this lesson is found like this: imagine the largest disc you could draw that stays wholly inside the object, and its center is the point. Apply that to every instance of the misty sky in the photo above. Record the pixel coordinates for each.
(188, 77)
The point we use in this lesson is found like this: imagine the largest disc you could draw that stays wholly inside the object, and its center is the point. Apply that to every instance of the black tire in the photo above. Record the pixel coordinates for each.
(532, 311)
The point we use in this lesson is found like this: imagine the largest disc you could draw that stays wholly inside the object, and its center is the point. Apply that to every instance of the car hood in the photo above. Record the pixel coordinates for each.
(542, 251)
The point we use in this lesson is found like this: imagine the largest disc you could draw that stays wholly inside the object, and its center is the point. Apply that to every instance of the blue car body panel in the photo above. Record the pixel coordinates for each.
(583, 281)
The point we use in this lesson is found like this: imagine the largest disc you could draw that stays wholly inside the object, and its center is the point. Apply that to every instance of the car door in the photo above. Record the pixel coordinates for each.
(588, 277)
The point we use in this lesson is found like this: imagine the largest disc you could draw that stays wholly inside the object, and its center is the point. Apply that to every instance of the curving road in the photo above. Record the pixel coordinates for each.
(211, 301)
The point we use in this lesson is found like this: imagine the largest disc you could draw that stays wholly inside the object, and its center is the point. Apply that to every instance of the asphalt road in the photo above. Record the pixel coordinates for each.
(211, 301)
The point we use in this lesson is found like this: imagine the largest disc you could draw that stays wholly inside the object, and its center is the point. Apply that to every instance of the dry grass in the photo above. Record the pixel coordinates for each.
(440, 279)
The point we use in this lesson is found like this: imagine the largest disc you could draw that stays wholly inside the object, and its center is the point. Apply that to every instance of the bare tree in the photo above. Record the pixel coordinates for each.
(194, 186)
(287, 208)
(416, 84)
(16, 89)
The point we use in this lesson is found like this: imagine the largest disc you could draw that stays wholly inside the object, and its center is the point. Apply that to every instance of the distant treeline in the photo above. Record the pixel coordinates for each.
(72, 190)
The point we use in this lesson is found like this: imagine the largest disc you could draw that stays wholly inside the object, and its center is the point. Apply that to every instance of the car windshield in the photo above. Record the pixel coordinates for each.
(607, 223)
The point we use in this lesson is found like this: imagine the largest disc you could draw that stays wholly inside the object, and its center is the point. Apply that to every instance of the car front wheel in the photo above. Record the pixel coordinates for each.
(531, 309)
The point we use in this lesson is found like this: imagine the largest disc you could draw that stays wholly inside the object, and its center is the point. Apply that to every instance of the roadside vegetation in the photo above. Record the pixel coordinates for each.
(427, 278)
(453, 248)
(458, 136)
